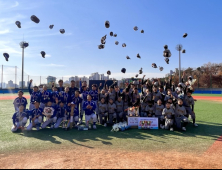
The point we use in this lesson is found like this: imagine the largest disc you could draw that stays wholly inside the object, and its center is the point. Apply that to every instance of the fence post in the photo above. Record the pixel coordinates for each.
(2, 78)
(40, 80)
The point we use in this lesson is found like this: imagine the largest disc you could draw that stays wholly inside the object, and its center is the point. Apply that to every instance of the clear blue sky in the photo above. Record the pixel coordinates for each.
(76, 52)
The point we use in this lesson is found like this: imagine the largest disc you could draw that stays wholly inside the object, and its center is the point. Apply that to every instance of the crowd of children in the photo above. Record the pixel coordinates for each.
(171, 104)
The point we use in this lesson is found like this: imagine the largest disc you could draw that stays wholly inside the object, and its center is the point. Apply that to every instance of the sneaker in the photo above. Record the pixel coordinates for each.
(37, 128)
(196, 125)
(105, 125)
(171, 129)
(52, 127)
(63, 126)
(94, 127)
(162, 126)
(184, 129)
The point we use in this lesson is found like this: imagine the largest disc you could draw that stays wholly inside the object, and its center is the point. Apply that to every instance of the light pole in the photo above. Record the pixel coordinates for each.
(179, 48)
(23, 45)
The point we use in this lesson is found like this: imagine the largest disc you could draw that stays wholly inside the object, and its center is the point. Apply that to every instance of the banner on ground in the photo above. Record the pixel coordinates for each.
(148, 123)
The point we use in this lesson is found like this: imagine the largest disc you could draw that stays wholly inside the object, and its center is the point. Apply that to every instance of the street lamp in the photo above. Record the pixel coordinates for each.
(23, 45)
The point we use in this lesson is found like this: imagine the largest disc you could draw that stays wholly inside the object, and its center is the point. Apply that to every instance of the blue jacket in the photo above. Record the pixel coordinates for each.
(89, 111)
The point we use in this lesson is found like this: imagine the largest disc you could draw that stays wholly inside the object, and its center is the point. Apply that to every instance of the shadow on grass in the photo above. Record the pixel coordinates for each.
(207, 130)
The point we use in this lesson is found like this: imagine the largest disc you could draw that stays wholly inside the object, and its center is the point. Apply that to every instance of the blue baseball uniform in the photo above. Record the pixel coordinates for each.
(35, 96)
(61, 115)
(20, 102)
(35, 113)
(45, 97)
(52, 120)
(19, 119)
(90, 113)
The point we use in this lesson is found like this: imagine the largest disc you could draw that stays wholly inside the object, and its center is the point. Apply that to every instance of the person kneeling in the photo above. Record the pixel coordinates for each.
(35, 117)
(50, 114)
(168, 113)
(19, 120)
(181, 115)
(89, 107)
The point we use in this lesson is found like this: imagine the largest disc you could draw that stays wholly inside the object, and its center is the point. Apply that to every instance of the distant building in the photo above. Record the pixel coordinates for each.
(20, 84)
(10, 84)
(51, 79)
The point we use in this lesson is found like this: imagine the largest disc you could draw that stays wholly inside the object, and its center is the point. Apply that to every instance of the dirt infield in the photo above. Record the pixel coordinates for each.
(196, 97)
(216, 148)
(208, 98)
(12, 97)
(85, 158)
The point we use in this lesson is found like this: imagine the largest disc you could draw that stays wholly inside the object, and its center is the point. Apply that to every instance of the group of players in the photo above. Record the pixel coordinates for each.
(105, 105)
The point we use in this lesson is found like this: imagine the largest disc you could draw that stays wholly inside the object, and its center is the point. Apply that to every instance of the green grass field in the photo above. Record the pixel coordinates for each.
(195, 139)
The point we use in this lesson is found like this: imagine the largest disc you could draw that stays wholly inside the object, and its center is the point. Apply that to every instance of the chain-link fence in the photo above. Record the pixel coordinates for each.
(11, 78)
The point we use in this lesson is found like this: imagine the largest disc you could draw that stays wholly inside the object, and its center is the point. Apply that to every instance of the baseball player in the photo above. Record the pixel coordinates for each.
(45, 97)
(102, 94)
(52, 118)
(169, 114)
(181, 115)
(73, 88)
(145, 98)
(20, 119)
(112, 111)
(156, 95)
(82, 85)
(61, 114)
(61, 88)
(120, 110)
(111, 94)
(54, 95)
(89, 107)
(35, 117)
(84, 94)
(20, 101)
(35, 95)
(149, 110)
(103, 112)
(78, 105)
(135, 98)
(158, 109)
(189, 105)
(95, 95)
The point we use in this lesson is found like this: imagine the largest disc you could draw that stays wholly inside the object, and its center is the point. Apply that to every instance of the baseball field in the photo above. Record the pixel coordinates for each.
(199, 147)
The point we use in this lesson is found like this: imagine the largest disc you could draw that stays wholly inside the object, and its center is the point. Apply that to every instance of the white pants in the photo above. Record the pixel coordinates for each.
(37, 121)
(31, 106)
(42, 106)
(89, 117)
(19, 124)
(46, 123)
(59, 121)
(76, 119)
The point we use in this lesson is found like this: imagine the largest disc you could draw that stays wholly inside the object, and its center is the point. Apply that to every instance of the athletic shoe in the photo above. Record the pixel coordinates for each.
(63, 126)
(196, 125)
(37, 127)
(162, 126)
(52, 127)
(105, 125)
(171, 129)
(184, 129)
(94, 127)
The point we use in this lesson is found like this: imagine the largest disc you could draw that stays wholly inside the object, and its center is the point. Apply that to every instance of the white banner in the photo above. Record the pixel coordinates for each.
(148, 123)
(133, 121)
